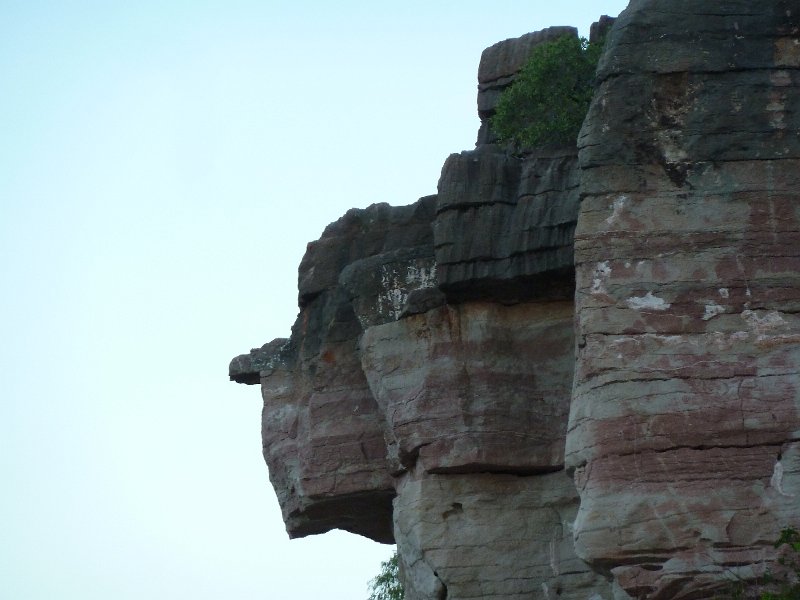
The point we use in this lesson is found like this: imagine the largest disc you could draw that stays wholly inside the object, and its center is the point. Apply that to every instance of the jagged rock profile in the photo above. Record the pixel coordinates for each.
(569, 374)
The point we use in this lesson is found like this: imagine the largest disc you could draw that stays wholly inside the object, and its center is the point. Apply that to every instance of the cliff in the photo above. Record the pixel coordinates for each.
(571, 373)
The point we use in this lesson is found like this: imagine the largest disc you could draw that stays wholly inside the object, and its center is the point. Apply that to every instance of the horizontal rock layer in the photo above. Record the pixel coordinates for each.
(505, 224)
(491, 536)
(475, 387)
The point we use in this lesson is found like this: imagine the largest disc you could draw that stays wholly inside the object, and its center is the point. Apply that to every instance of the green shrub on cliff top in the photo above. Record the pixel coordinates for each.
(548, 101)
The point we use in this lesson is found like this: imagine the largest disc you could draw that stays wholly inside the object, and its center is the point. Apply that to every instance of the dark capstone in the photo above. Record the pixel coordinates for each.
(359, 234)
(422, 300)
(247, 368)
(505, 224)
(600, 28)
(501, 62)
(348, 513)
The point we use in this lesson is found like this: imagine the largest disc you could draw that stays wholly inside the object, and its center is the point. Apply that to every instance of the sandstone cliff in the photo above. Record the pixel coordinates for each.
(572, 373)
(684, 419)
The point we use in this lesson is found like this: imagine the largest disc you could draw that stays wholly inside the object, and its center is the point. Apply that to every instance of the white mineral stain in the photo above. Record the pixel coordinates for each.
(672, 152)
(776, 481)
(671, 340)
(554, 566)
(648, 302)
(617, 207)
(394, 294)
(601, 273)
(712, 310)
(421, 276)
(724, 292)
(396, 287)
(771, 321)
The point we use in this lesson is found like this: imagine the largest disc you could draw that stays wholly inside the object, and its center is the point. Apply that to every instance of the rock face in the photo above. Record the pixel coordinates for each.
(684, 426)
(520, 215)
(569, 374)
(321, 429)
(485, 535)
(468, 388)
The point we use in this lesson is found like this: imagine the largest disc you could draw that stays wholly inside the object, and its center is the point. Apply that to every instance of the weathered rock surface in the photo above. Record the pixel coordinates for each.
(629, 312)
(375, 257)
(686, 411)
(322, 433)
(475, 387)
(432, 361)
(520, 214)
(490, 535)
(505, 222)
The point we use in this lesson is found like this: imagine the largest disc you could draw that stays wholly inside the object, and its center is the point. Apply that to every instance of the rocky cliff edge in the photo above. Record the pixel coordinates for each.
(571, 373)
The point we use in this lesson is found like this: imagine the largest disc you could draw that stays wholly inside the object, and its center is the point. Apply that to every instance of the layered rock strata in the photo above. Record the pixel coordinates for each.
(685, 422)
(431, 393)
(485, 535)
(322, 432)
(444, 330)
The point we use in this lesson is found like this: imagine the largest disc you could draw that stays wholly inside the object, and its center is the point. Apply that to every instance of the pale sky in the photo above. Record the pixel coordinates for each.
(162, 166)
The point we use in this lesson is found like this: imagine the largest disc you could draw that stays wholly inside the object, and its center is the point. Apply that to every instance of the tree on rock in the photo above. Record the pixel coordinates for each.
(550, 96)
(387, 586)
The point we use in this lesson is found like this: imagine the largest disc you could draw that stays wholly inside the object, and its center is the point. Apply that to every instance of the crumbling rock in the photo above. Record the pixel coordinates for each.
(247, 368)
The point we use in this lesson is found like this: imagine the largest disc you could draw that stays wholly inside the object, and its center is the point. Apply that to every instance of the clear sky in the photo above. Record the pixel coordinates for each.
(162, 166)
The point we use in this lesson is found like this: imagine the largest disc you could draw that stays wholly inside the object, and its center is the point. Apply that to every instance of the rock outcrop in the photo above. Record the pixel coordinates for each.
(323, 435)
(569, 374)
(684, 432)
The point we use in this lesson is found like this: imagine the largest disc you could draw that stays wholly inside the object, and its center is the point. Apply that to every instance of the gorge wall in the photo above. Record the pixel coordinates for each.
(572, 373)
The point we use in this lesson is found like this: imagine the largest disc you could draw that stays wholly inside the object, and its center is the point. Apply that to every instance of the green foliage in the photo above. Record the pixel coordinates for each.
(387, 586)
(550, 97)
(789, 537)
(781, 586)
(788, 589)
